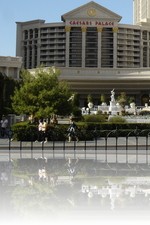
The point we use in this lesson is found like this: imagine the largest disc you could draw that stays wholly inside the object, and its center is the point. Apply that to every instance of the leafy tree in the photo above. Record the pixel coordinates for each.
(131, 99)
(75, 100)
(102, 98)
(7, 87)
(42, 94)
(89, 98)
(122, 99)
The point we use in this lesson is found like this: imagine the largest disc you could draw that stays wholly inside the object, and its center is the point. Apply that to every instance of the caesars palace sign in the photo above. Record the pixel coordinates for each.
(90, 23)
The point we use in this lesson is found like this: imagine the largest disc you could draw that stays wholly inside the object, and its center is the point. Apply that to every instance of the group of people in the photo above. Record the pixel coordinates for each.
(42, 128)
(42, 131)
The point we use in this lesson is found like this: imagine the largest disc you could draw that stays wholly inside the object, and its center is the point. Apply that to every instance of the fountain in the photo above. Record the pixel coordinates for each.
(114, 107)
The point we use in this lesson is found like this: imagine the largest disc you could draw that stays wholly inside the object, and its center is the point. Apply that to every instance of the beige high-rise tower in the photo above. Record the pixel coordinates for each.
(141, 11)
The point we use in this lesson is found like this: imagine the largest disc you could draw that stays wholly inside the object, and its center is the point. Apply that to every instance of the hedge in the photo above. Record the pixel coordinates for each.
(25, 131)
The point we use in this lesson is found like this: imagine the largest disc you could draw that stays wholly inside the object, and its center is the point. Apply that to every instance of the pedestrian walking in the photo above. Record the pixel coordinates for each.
(72, 132)
(4, 125)
(44, 131)
(39, 134)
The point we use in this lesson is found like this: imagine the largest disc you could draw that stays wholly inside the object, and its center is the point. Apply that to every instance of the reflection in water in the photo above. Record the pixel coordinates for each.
(73, 190)
(127, 193)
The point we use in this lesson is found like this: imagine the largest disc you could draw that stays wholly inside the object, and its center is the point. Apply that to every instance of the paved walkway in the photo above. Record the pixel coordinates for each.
(110, 150)
(111, 141)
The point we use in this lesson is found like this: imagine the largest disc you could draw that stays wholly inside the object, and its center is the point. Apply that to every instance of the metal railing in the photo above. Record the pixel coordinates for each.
(109, 147)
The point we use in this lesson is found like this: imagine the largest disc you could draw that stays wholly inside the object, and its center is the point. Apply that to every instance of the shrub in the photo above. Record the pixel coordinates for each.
(101, 118)
(117, 119)
(77, 112)
(24, 131)
(145, 113)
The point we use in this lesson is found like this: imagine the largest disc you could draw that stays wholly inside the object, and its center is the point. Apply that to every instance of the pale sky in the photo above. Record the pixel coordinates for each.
(12, 11)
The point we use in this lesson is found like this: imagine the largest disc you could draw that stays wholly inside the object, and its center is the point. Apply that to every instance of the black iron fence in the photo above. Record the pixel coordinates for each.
(108, 147)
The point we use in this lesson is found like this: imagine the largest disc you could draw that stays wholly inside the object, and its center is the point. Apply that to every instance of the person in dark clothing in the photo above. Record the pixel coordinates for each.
(72, 132)
(4, 125)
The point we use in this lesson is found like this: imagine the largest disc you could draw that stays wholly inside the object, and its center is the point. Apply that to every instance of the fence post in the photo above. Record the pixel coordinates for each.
(95, 137)
(43, 149)
(31, 149)
(146, 143)
(53, 149)
(20, 149)
(116, 132)
(147, 147)
(96, 148)
(85, 146)
(10, 138)
(136, 132)
(112, 131)
(106, 149)
(127, 145)
(74, 149)
(127, 149)
(9, 149)
(64, 148)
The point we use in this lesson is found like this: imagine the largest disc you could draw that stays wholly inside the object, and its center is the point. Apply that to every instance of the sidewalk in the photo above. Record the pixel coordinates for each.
(114, 151)
(111, 142)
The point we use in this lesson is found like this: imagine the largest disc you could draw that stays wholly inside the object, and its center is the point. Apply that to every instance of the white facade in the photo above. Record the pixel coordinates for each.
(10, 66)
(89, 36)
(93, 50)
(141, 11)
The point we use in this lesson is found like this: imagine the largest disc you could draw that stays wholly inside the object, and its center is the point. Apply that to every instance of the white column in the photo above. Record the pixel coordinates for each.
(115, 30)
(28, 56)
(38, 48)
(38, 53)
(141, 51)
(67, 29)
(148, 49)
(83, 44)
(33, 56)
(99, 30)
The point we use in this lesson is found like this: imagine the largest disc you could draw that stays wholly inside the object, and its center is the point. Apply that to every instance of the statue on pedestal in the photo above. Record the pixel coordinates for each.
(113, 108)
(113, 95)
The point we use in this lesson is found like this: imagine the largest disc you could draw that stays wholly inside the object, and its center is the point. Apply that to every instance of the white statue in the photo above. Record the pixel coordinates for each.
(112, 95)
(90, 105)
(71, 98)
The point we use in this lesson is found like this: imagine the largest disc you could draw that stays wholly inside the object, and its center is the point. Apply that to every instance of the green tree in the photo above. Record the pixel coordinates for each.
(122, 99)
(75, 101)
(89, 98)
(131, 99)
(7, 87)
(102, 98)
(42, 94)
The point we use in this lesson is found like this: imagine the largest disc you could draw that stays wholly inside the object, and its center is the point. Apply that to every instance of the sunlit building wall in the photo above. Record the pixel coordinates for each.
(93, 50)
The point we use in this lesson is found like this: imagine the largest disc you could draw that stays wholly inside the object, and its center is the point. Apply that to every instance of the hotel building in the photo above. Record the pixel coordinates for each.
(141, 11)
(93, 50)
